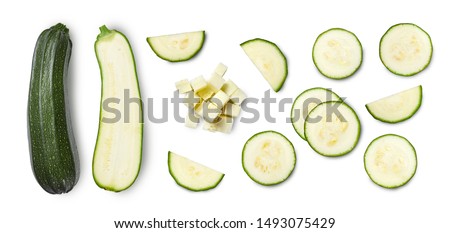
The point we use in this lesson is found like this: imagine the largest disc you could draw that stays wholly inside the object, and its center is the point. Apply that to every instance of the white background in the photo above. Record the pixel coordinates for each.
(319, 186)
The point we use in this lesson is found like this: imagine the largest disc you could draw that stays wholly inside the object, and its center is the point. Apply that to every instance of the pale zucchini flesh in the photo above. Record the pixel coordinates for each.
(269, 60)
(337, 53)
(332, 133)
(118, 151)
(405, 49)
(397, 107)
(268, 158)
(192, 175)
(307, 101)
(177, 47)
(390, 161)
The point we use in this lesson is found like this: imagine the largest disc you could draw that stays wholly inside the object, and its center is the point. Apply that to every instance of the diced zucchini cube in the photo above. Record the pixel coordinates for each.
(191, 99)
(238, 97)
(183, 86)
(210, 126)
(232, 110)
(220, 99)
(191, 120)
(225, 124)
(221, 69)
(198, 108)
(216, 81)
(211, 112)
(206, 92)
(198, 84)
(229, 87)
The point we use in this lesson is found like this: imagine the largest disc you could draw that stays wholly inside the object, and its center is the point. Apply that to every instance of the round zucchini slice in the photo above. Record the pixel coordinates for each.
(332, 128)
(405, 49)
(307, 101)
(337, 53)
(390, 161)
(268, 158)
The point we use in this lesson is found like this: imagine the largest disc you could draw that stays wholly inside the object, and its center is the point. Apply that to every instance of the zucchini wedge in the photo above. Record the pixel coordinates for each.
(397, 107)
(53, 151)
(337, 53)
(406, 49)
(177, 47)
(268, 158)
(269, 60)
(118, 151)
(390, 161)
(192, 175)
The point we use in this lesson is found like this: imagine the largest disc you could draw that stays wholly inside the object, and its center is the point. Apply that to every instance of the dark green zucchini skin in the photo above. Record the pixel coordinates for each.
(53, 152)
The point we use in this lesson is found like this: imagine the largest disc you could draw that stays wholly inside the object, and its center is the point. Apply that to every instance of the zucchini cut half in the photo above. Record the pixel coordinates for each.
(337, 53)
(307, 101)
(269, 60)
(177, 47)
(397, 107)
(192, 175)
(332, 129)
(405, 49)
(268, 158)
(390, 161)
(118, 151)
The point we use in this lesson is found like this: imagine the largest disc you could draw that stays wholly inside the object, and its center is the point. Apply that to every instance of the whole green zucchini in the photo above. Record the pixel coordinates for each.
(53, 152)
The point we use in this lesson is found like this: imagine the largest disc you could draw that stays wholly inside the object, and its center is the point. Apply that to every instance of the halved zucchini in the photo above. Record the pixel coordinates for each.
(406, 49)
(268, 158)
(332, 128)
(337, 53)
(118, 151)
(192, 175)
(397, 107)
(390, 161)
(269, 60)
(307, 101)
(177, 47)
